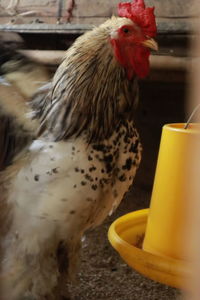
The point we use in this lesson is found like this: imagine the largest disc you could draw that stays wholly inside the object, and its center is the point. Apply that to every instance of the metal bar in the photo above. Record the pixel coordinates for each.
(164, 27)
(59, 11)
(46, 28)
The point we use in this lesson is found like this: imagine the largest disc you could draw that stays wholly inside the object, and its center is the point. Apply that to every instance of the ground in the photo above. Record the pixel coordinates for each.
(104, 275)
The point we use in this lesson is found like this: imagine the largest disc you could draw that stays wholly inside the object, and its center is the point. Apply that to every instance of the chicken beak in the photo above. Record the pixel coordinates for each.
(150, 43)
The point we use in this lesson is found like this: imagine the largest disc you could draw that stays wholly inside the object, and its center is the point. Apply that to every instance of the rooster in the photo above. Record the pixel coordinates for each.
(79, 155)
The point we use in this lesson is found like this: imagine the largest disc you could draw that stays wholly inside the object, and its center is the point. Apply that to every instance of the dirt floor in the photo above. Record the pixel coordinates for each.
(104, 275)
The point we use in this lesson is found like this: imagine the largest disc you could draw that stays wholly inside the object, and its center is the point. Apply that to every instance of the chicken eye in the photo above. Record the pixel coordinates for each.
(125, 30)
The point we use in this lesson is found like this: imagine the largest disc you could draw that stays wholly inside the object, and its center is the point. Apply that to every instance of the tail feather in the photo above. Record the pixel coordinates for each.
(20, 83)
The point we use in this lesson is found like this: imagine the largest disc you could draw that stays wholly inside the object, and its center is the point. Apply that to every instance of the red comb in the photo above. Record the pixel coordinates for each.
(140, 14)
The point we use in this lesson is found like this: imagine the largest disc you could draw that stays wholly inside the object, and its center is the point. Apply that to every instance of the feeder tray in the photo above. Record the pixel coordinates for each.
(126, 236)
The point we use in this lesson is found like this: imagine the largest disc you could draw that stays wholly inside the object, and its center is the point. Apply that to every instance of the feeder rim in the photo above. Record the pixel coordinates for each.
(180, 127)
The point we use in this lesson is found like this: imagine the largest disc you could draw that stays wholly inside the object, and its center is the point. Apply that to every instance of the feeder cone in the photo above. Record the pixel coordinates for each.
(166, 232)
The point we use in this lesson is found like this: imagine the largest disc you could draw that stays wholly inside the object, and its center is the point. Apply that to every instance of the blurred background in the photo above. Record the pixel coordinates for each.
(46, 28)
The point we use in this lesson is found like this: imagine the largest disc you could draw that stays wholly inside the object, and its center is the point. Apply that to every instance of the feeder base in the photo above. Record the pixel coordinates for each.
(126, 236)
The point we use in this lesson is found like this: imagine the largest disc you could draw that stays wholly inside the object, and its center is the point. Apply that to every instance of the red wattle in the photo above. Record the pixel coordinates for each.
(135, 60)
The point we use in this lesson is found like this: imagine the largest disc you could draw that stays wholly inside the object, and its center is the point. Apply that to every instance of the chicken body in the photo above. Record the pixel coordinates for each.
(62, 190)
(75, 173)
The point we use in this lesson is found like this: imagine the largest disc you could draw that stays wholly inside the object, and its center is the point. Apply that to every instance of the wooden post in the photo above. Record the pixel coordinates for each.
(193, 243)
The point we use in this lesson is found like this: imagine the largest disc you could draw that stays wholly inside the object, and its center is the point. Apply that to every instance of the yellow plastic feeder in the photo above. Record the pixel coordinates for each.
(153, 241)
